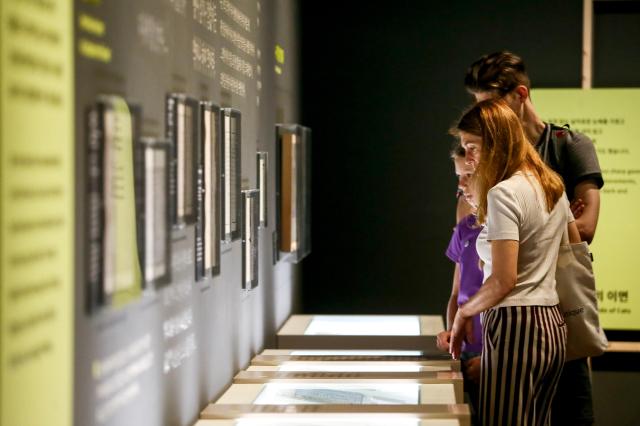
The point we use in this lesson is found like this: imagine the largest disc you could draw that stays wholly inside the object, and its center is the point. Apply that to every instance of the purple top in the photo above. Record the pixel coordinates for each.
(462, 250)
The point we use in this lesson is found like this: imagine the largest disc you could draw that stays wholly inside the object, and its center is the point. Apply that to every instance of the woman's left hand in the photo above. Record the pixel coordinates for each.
(462, 329)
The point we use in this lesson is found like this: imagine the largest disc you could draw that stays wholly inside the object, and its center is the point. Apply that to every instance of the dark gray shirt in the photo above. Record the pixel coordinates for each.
(571, 155)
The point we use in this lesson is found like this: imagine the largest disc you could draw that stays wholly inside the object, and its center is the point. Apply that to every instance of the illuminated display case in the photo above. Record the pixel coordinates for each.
(333, 420)
(397, 420)
(348, 377)
(335, 415)
(293, 191)
(282, 360)
(353, 366)
(398, 332)
(337, 393)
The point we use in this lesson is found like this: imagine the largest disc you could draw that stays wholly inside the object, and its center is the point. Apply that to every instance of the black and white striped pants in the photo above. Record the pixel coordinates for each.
(522, 358)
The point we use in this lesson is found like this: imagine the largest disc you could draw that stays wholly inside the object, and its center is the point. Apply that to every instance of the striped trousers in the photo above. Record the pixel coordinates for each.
(522, 358)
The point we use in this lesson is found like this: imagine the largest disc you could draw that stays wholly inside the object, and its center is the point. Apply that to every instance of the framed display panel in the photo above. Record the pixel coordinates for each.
(293, 191)
(351, 377)
(398, 332)
(363, 419)
(263, 172)
(114, 273)
(231, 124)
(182, 131)
(152, 196)
(208, 233)
(250, 220)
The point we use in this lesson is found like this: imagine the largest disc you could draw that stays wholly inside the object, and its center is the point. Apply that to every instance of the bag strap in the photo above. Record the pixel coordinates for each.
(565, 236)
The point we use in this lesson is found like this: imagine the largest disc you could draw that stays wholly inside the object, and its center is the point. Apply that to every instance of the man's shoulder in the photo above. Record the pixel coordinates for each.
(565, 134)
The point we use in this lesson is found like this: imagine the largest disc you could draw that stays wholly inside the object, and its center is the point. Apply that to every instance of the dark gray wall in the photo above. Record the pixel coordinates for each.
(159, 360)
(382, 82)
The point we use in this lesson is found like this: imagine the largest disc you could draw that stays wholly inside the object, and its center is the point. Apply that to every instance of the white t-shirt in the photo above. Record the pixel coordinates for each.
(516, 210)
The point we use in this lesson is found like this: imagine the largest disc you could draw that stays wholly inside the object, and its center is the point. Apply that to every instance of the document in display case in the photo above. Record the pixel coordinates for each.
(208, 233)
(250, 220)
(293, 191)
(263, 187)
(231, 124)
(339, 393)
(182, 131)
(152, 197)
(114, 273)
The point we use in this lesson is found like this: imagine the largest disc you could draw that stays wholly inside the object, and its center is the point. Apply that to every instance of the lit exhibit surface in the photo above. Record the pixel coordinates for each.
(347, 353)
(364, 325)
(327, 422)
(353, 363)
(353, 367)
(362, 332)
(362, 420)
(338, 393)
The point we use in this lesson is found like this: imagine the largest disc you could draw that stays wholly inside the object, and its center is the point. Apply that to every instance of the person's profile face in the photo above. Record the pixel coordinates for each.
(472, 145)
(465, 172)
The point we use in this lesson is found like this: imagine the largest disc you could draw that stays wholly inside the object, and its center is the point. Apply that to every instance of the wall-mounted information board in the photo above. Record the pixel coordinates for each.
(211, 151)
(250, 219)
(231, 157)
(182, 123)
(152, 205)
(37, 181)
(114, 272)
(610, 117)
(293, 191)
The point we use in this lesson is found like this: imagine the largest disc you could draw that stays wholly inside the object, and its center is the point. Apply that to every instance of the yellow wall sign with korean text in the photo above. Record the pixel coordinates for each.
(611, 118)
(36, 212)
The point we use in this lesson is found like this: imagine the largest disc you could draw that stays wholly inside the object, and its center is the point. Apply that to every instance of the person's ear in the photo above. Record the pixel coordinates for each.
(522, 92)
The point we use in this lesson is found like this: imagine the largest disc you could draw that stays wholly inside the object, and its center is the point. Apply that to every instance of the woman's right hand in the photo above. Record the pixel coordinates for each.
(461, 330)
(443, 339)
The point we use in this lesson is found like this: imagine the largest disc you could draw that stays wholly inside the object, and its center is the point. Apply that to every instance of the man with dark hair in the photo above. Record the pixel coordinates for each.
(573, 156)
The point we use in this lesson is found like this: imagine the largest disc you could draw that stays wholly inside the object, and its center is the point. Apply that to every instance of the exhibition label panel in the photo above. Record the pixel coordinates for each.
(611, 118)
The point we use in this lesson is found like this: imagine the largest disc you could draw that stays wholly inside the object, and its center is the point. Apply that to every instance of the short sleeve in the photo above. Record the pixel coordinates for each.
(503, 215)
(454, 251)
(582, 160)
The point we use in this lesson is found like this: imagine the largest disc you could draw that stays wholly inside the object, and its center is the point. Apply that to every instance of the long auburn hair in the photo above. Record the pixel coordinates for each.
(505, 150)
